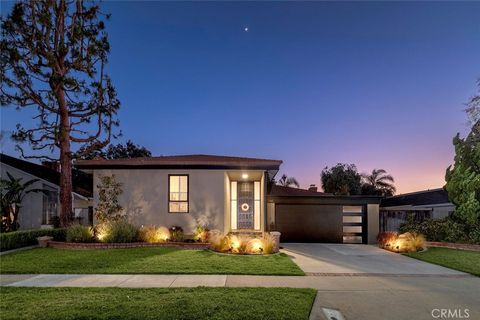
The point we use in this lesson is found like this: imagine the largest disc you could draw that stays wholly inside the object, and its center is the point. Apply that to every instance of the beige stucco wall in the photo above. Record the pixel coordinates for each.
(373, 222)
(145, 197)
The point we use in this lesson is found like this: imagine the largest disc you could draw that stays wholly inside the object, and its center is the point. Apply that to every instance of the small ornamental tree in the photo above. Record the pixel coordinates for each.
(53, 57)
(109, 209)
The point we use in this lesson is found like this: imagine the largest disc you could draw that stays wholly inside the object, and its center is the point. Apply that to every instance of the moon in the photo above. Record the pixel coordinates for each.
(245, 29)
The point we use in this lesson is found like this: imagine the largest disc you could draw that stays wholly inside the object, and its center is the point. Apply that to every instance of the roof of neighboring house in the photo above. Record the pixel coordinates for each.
(282, 191)
(195, 161)
(425, 197)
(82, 182)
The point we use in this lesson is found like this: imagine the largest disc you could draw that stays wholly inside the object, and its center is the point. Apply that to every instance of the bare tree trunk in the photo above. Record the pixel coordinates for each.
(65, 129)
(65, 183)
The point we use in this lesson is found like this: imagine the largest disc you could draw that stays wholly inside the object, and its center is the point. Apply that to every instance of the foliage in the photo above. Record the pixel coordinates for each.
(461, 260)
(109, 208)
(145, 261)
(385, 239)
(463, 179)
(79, 233)
(201, 234)
(379, 183)
(342, 179)
(127, 151)
(117, 231)
(405, 242)
(288, 181)
(176, 234)
(12, 192)
(218, 241)
(449, 229)
(53, 57)
(241, 243)
(200, 303)
(151, 234)
(25, 238)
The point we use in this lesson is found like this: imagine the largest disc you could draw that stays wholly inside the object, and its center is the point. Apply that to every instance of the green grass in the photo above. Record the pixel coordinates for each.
(462, 260)
(144, 260)
(178, 303)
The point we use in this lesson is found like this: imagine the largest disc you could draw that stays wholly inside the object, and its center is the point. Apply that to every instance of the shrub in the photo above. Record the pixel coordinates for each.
(386, 239)
(79, 233)
(19, 239)
(201, 234)
(218, 241)
(119, 231)
(241, 243)
(152, 234)
(449, 229)
(268, 243)
(238, 243)
(176, 234)
(405, 242)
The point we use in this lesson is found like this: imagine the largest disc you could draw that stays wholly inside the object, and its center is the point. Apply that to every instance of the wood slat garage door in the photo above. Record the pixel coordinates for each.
(309, 223)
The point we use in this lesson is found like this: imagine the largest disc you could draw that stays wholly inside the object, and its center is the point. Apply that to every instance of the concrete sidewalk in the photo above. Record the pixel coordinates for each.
(333, 283)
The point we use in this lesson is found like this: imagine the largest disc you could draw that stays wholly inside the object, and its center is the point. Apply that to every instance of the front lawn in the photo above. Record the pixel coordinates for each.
(178, 303)
(144, 260)
(461, 260)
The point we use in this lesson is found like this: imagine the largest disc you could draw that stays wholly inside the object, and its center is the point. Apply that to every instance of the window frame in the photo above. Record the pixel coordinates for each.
(188, 194)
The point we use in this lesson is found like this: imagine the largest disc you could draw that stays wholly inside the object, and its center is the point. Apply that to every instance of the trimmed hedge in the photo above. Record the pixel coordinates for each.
(19, 239)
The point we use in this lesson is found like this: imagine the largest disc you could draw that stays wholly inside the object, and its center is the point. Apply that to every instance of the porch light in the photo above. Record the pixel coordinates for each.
(244, 176)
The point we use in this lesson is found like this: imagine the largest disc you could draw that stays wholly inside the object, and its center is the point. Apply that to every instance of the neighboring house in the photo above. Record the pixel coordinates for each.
(233, 194)
(37, 209)
(421, 204)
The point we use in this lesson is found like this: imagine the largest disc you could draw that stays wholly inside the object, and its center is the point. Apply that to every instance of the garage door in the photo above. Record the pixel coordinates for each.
(320, 223)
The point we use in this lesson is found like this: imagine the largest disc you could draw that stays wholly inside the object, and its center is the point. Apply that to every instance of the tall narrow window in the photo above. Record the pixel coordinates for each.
(178, 193)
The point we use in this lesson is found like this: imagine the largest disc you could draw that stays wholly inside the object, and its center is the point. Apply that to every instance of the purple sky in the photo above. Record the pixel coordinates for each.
(377, 84)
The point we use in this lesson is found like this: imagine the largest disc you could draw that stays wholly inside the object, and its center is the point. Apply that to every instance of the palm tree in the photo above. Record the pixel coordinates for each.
(378, 182)
(288, 181)
(12, 192)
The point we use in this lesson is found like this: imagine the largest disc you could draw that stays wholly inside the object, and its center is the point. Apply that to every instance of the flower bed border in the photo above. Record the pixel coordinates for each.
(452, 245)
(102, 246)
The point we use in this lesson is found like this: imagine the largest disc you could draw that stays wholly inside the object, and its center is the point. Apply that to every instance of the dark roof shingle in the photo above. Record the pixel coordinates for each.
(426, 197)
(82, 182)
(282, 191)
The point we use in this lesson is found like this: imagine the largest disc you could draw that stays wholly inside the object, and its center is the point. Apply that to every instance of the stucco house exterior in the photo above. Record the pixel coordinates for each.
(38, 209)
(225, 193)
(233, 194)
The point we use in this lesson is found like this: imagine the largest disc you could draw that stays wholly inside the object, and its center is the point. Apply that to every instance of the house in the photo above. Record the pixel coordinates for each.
(422, 205)
(233, 194)
(38, 209)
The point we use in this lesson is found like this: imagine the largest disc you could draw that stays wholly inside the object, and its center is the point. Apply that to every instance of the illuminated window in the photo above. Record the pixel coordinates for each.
(178, 193)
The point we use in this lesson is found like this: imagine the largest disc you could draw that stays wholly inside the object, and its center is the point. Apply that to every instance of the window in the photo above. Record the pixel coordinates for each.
(178, 193)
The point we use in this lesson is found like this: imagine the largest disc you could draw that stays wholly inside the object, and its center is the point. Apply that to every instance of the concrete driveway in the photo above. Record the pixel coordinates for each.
(351, 259)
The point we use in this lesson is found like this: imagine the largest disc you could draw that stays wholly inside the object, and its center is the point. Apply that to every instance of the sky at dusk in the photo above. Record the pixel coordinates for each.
(377, 84)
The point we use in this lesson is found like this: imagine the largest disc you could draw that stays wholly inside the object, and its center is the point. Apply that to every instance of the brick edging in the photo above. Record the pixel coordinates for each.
(463, 246)
(95, 246)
